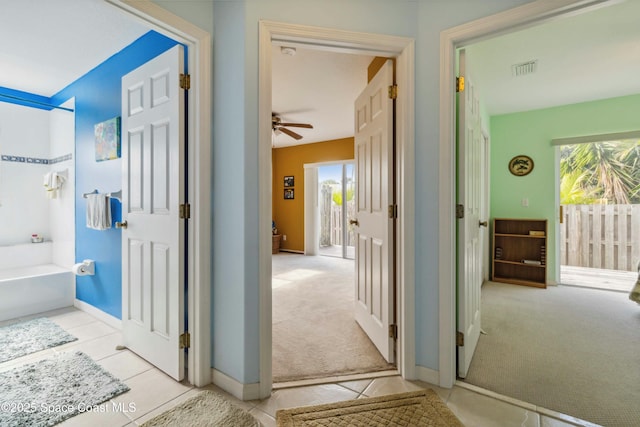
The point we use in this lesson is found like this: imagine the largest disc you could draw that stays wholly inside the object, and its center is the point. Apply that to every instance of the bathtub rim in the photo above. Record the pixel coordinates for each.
(18, 273)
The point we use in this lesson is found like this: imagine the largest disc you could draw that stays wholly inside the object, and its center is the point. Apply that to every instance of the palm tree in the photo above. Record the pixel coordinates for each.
(630, 156)
(572, 191)
(603, 170)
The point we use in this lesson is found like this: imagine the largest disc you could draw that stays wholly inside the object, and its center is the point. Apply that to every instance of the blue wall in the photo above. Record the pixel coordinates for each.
(97, 96)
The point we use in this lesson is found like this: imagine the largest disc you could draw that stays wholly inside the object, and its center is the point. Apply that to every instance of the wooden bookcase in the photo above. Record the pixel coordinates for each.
(520, 251)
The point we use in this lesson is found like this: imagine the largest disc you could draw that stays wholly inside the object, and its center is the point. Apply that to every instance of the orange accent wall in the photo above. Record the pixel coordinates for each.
(375, 66)
(290, 161)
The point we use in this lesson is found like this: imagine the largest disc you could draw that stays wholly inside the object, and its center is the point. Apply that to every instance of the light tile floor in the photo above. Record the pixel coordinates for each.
(152, 392)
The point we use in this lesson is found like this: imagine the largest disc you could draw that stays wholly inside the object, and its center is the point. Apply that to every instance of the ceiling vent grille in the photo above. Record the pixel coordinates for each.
(524, 68)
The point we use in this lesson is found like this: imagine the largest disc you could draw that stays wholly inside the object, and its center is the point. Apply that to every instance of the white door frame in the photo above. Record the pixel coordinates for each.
(515, 19)
(369, 44)
(199, 47)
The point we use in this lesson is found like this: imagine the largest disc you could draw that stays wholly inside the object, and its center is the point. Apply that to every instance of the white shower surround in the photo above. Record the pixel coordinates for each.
(32, 133)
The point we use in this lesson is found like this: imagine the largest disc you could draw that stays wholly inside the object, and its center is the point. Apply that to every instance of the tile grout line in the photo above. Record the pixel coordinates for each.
(157, 407)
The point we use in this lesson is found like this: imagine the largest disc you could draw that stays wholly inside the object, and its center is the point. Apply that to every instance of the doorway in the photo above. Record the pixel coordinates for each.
(457, 37)
(325, 192)
(402, 50)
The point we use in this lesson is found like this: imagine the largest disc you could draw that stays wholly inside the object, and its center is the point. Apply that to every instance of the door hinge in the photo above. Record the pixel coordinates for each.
(393, 211)
(459, 211)
(393, 331)
(185, 81)
(459, 339)
(185, 340)
(460, 84)
(185, 211)
(393, 91)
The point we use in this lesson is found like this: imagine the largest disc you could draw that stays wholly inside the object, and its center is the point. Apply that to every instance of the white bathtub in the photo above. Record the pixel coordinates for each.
(31, 289)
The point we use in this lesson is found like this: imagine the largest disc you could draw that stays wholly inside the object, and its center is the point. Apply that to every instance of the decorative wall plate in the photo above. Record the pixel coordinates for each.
(521, 165)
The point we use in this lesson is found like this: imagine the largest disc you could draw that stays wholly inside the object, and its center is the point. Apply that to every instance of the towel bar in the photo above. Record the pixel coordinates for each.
(114, 195)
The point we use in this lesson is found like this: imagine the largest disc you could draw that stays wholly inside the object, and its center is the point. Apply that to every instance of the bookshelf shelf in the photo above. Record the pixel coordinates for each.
(519, 251)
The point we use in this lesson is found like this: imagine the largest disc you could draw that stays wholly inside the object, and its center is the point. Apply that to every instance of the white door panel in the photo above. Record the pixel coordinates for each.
(374, 284)
(470, 250)
(153, 188)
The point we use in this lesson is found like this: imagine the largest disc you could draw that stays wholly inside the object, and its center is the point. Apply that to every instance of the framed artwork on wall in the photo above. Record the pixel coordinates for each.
(288, 181)
(288, 193)
(107, 139)
(521, 165)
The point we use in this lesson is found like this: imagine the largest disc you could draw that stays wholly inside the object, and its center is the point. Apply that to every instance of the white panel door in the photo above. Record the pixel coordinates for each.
(470, 250)
(374, 284)
(152, 189)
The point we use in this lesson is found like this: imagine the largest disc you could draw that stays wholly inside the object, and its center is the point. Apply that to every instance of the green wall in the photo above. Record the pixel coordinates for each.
(531, 133)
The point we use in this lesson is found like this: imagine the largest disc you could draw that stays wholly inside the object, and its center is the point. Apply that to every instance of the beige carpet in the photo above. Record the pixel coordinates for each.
(203, 410)
(413, 409)
(572, 350)
(314, 333)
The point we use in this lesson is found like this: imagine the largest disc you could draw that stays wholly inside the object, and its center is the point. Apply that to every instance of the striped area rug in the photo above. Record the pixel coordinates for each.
(422, 408)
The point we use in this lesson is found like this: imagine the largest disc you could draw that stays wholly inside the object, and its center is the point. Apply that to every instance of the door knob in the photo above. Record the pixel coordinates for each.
(483, 223)
(354, 222)
(122, 224)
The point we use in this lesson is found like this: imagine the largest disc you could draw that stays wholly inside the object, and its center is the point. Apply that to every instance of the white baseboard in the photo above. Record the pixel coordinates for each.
(98, 314)
(234, 387)
(428, 375)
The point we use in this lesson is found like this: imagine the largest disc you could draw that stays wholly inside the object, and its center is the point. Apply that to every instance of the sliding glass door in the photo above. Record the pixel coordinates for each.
(336, 191)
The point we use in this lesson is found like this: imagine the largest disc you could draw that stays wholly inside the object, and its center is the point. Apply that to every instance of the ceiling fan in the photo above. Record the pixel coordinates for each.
(278, 125)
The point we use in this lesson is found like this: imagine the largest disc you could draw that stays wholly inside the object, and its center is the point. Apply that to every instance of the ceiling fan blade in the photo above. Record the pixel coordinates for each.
(291, 133)
(297, 125)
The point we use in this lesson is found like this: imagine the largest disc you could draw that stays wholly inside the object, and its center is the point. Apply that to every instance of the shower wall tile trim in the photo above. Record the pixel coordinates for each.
(36, 161)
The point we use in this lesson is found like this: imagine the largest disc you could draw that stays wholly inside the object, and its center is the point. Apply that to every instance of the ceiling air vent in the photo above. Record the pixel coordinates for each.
(524, 68)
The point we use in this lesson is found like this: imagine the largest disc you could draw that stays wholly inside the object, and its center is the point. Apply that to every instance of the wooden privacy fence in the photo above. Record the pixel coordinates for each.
(336, 224)
(600, 236)
(331, 219)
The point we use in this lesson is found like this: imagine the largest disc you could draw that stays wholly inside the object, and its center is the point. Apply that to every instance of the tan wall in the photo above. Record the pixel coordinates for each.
(290, 161)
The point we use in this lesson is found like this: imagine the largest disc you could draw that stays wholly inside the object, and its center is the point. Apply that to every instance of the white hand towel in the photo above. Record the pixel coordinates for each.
(50, 185)
(98, 211)
(47, 180)
(53, 182)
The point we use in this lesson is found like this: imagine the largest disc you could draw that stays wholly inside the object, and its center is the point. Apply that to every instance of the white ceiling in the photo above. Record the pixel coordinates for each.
(316, 87)
(594, 55)
(47, 44)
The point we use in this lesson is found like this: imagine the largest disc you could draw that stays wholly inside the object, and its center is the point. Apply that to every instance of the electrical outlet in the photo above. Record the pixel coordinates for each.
(284, 237)
(525, 202)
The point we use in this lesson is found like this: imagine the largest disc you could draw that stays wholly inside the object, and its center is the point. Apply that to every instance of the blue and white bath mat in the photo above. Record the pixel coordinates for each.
(30, 336)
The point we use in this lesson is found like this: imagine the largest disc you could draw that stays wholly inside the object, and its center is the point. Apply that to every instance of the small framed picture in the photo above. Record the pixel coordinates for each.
(107, 139)
(288, 193)
(288, 182)
(521, 165)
